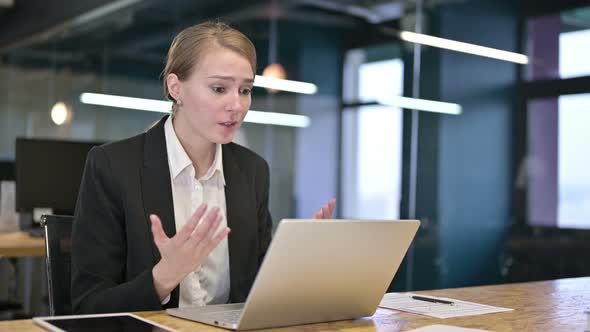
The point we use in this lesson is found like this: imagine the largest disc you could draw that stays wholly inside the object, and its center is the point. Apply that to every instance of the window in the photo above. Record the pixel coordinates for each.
(372, 137)
(574, 50)
(558, 114)
(557, 162)
(573, 209)
(559, 45)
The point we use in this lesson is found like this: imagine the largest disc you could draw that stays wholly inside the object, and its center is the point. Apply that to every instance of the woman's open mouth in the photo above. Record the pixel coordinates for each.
(229, 124)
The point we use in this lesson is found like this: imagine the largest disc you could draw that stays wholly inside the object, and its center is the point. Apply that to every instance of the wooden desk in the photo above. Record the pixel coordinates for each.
(21, 244)
(539, 306)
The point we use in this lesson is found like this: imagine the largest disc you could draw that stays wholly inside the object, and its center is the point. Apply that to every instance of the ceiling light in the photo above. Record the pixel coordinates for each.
(285, 85)
(60, 113)
(421, 105)
(463, 47)
(161, 106)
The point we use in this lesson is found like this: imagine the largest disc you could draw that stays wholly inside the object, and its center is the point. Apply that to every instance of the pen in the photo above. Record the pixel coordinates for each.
(429, 299)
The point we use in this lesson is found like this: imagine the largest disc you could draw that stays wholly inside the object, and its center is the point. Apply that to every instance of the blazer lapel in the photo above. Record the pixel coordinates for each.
(156, 188)
(237, 196)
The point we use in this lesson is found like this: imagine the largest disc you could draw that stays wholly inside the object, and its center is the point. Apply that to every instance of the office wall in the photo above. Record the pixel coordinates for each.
(27, 96)
(304, 165)
(476, 148)
(464, 173)
(317, 147)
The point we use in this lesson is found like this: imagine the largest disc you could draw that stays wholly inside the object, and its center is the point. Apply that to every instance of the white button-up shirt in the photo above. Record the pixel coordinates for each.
(210, 283)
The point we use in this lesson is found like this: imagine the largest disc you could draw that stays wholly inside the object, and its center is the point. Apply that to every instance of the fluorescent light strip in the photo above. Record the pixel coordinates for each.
(277, 119)
(421, 105)
(132, 103)
(285, 85)
(463, 47)
(153, 105)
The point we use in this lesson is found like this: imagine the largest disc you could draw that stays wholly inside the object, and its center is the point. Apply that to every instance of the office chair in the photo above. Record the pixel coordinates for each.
(11, 310)
(58, 246)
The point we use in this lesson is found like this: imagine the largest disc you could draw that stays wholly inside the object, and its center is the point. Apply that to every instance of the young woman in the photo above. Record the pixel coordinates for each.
(154, 211)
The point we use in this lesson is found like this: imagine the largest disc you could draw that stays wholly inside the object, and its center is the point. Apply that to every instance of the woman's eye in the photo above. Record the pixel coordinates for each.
(218, 89)
(246, 91)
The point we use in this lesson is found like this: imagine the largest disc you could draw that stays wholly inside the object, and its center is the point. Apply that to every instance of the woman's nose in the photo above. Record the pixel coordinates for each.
(235, 103)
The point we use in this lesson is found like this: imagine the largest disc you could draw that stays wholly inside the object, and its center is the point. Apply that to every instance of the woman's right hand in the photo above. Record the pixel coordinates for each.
(185, 251)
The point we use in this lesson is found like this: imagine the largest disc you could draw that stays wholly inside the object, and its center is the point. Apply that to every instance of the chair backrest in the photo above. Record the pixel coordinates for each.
(58, 247)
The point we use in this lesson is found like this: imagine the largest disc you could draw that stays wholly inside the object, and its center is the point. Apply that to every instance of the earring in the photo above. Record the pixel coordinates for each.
(179, 102)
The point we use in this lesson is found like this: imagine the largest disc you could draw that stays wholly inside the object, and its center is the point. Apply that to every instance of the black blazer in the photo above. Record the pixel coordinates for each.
(113, 251)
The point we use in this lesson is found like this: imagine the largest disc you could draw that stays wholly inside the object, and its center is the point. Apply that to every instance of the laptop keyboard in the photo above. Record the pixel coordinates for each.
(231, 316)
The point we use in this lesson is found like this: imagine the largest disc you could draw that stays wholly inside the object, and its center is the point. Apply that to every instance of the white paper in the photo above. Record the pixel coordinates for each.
(445, 328)
(404, 302)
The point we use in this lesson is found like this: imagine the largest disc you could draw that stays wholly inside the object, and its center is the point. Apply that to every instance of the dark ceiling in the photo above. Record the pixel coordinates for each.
(131, 37)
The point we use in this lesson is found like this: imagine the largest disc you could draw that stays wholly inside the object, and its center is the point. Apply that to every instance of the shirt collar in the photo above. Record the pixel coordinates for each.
(179, 160)
(217, 166)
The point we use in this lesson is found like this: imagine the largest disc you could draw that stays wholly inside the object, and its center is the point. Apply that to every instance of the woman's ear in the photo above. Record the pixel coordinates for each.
(174, 85)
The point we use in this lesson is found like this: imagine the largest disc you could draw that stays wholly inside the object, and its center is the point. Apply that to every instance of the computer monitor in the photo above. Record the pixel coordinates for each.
(48, 174)
(7, 170)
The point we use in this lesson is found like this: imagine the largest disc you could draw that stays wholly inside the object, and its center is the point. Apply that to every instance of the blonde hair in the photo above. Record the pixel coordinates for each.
(190, 45)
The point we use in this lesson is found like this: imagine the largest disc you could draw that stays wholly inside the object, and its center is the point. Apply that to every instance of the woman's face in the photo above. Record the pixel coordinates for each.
(216, 97)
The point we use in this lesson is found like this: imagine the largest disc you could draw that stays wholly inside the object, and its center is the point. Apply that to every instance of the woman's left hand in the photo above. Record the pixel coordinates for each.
(326, 211)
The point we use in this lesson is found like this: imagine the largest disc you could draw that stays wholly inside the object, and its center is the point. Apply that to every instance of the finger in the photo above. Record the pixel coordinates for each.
(204, 228)
(217, 239)
(204, 233)
(209, 236)
(157, 230)
(193, 222)
(214, 227)
(332, 205)
(325, 212)
(316, 215)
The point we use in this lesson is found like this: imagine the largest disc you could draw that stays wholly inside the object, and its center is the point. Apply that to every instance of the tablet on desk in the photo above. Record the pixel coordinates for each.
(121, 322)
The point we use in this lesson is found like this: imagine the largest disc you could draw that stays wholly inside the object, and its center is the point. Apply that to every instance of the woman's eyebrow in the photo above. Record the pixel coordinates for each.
(231, 78)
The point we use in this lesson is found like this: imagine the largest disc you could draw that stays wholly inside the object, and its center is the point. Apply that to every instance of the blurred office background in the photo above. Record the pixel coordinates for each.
(497, 175)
